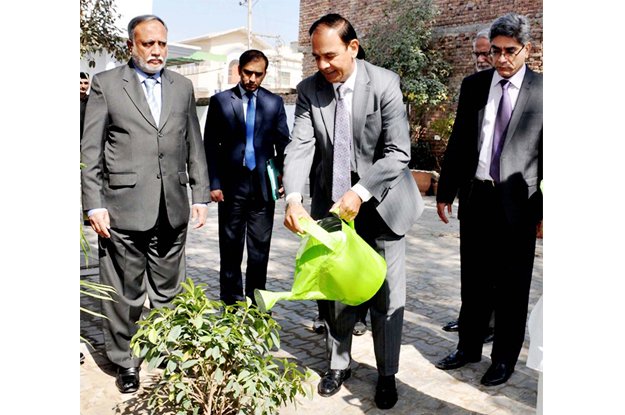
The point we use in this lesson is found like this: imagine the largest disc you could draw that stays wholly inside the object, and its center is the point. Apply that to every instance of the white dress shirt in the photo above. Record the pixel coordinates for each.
(490, 113)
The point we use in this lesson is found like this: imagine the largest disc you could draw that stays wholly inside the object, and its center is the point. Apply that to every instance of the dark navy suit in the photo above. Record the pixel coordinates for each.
(246, 214)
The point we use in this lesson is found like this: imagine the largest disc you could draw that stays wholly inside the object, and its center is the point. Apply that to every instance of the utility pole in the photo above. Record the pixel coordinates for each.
(249, 24)
(249, 21)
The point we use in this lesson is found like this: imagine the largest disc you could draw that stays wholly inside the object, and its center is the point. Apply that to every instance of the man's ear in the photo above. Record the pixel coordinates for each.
(353, 47)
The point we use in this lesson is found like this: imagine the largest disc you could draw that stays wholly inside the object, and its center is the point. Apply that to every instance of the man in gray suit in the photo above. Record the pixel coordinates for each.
(361, 134)
(141, 148)
(494, 163)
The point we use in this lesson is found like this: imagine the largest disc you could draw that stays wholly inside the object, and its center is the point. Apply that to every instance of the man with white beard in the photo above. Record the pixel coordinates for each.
(141, 148)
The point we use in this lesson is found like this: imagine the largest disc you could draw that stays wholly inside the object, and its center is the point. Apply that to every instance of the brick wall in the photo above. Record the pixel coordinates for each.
(454, 28)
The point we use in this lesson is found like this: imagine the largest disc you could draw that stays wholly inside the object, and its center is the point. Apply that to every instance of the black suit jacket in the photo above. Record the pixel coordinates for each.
(224, 137)
(83, 107)
(522, 154)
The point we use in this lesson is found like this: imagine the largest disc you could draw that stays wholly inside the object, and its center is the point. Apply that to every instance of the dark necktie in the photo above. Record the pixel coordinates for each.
(250, 159)
(153, 101)
(341, 177)
(501, 128)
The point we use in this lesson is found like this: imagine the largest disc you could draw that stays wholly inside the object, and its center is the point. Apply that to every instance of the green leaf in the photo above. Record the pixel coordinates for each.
(153, 336)
(174, 334)
(188, 364)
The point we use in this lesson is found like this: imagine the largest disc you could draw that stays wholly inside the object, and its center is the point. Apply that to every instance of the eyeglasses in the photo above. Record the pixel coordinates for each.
(483, 54)
(508, 53)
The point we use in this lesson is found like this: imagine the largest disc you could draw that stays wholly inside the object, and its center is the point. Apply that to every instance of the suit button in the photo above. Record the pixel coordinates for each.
(160, 156)
(158, 176)
(160, 135)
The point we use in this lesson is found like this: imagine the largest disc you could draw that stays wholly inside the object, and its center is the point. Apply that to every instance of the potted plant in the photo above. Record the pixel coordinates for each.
(216, 358)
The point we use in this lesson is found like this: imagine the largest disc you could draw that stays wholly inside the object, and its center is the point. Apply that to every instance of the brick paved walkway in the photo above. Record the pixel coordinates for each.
(433, 299)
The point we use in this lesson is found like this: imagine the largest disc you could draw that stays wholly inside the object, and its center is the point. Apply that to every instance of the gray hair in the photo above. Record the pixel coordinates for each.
(140, 19)
(511, 25)
(482, 33)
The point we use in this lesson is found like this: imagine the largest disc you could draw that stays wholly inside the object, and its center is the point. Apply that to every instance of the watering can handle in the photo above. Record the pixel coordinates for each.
(335, 212)
(312, 228)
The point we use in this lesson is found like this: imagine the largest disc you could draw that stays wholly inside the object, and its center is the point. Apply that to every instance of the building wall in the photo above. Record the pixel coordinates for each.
(284, 72)
(453, 30)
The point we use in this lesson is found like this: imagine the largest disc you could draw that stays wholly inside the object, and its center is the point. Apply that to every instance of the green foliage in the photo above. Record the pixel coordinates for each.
(217, 357)
(401, 42)
(98, 32)
(443, 126)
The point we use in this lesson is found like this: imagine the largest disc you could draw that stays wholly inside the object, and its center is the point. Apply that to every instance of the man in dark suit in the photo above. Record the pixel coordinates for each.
(142, 148)
(245, 127)
(494, 163)
(84, 98)
(353, 114)
(482, 60)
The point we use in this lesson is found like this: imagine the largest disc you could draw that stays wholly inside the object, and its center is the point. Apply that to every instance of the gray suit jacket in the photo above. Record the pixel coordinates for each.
(129, 160)
(381, 145)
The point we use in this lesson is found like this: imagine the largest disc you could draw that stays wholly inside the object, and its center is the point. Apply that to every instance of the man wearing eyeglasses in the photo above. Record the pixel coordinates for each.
(481, 51)
(494, 163)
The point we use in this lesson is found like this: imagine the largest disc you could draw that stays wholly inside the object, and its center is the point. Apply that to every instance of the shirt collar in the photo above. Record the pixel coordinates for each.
(143, 76)
(244, 91)
(350, 82)
(515, 80)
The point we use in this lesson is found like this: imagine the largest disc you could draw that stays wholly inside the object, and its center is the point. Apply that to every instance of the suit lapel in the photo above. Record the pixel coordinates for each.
(260, 112)
(134, 90)
(237, 105)
(521, 102)
(325, 94)
(360, 100)
(167, 87)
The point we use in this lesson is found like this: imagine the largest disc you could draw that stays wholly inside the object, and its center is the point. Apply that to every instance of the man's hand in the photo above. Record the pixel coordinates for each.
(217, 195)
(347, 206)
(199, 213)
(101, 223)
(440, 208)
(294, 212)
(539, 230)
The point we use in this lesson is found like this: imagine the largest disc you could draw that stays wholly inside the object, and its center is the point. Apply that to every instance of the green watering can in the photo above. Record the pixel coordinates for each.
(332, 263)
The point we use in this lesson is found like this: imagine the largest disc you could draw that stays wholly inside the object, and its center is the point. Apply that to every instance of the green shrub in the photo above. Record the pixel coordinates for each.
(217, 358)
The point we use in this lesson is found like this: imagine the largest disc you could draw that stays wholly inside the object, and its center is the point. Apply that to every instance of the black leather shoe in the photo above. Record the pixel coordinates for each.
(455, 360)
(360, 328)
(386, 392)
(497, 374)
(451, 326)
(127, 380)
(332, 380)
(318, 325)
